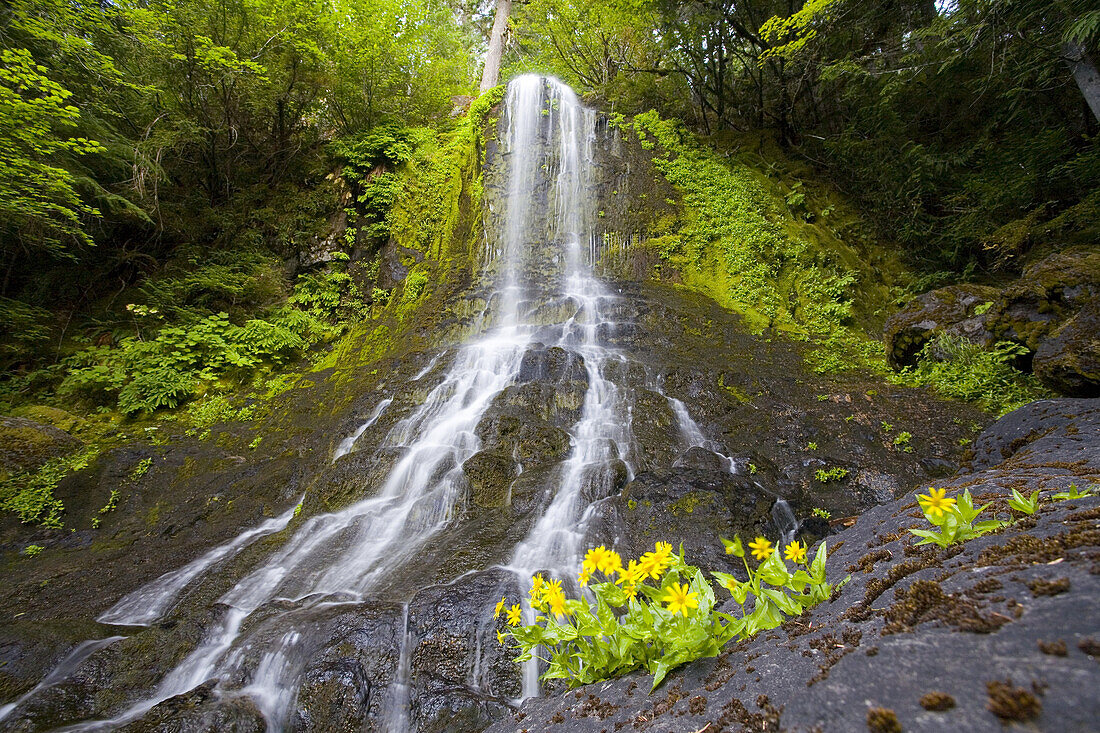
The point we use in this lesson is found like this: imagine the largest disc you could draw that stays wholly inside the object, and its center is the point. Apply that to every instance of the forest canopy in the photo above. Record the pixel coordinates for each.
(174, 155)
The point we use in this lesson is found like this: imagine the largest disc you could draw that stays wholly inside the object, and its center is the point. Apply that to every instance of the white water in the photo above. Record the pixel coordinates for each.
(148, 603)
(349, 442)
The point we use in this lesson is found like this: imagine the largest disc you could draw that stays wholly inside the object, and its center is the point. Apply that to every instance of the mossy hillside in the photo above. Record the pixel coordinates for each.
(437, 215)
(785, 254)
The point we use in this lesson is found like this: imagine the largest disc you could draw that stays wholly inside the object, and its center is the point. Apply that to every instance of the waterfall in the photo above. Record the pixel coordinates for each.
(541, 258)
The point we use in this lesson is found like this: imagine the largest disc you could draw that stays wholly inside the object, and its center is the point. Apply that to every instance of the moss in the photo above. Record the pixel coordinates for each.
(686, 504)
(937, 701)
(883, 720)
(1041, 587)
(1053, 648)
(1011, 703)
(743, 245)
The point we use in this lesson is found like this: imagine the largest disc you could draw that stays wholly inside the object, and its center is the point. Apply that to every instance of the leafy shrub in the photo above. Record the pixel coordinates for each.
(957, 367)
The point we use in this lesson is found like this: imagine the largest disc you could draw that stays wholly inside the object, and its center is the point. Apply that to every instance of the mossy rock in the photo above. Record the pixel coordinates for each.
(946, 311)
(26, 445)
(489, 474)
(51, 416)
(1069, 361)
(1049, 293)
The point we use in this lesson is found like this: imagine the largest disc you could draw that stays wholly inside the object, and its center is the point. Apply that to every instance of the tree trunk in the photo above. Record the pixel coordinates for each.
(490, 77)
(1085, 74)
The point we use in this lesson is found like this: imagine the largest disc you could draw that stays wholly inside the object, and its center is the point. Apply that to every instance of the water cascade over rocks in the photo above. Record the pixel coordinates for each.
(350, 620)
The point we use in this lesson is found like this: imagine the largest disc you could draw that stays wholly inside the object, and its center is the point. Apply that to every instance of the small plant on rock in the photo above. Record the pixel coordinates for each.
(1024, 504)
(832, 474)
(821, 513)
(953, 519)
(1073, 493)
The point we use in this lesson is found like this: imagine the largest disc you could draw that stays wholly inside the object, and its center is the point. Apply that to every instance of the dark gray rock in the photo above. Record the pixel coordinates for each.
(1068, 361)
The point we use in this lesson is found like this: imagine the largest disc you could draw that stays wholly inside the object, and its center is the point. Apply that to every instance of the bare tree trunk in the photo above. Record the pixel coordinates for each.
(1084, 73)
(491, 75)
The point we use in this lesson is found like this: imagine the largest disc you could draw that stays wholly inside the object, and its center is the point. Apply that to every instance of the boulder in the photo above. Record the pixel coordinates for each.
(952, 311)
(25, 445)
(1068, 362)
(1047, 295)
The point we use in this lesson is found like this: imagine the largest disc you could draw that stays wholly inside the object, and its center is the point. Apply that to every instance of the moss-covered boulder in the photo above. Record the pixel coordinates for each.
(1047, 295)
(1069, 361)
(25, 445)
(489, 474)
(955, 311)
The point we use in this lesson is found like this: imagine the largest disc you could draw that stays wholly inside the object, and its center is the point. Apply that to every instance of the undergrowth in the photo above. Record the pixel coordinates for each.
(956, 367)
(733, 247)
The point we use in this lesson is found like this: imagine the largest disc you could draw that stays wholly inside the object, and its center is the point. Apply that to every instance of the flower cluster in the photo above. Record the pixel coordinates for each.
(655, 611)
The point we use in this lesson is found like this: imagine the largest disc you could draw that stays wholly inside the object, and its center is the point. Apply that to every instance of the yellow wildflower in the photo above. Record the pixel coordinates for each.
(656, 563)
(631, 574)
(594, 559)
(514, 615)
(538, 586)
(679, 600)
(630, 590)
(584, 577)
(500, 637)
(613, 563)
(795, 552)
(761, 548)
(555, 598)
(935, 503)
(499, 608)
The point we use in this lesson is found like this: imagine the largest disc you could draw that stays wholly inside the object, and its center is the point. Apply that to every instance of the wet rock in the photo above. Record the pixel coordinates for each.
(553, 364)
(699, 457)
(25, 445)
(200, 710)
(334, 696)
(600, 482)
(461, 676)
(489, 474)
(947, 311)
(694, 506)
(1068, 361)
(530, 441)
(656, 430)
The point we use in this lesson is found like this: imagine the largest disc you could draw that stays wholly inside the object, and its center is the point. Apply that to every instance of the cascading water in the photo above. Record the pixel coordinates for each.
(541, 263)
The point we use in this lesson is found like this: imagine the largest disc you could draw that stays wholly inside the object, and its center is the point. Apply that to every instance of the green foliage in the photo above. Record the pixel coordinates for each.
(30, 495)
(901, 441)
(953, 519)
(1024, 504)
(836, 473)
(957, 367)
(40, 209)
(659, 626)
(32, 550)
(1074, 493)
(821, 513)
(140, 468)
(205, 413)
(414, 285)
(775, 278)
